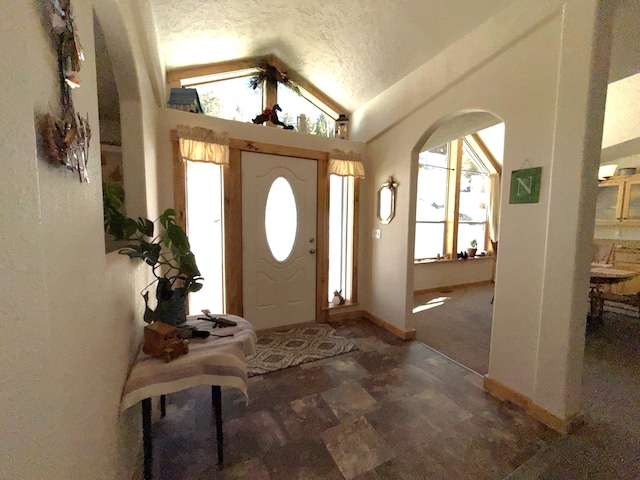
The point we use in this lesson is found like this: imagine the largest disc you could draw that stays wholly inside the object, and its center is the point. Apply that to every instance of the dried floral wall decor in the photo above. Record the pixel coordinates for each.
(271, 74)
(65, 139)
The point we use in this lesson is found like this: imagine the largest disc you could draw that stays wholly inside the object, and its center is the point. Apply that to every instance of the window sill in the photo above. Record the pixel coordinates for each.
(337, 307)
(448, 260)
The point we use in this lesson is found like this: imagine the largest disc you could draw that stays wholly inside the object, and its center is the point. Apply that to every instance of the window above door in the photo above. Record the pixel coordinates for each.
(226, 90)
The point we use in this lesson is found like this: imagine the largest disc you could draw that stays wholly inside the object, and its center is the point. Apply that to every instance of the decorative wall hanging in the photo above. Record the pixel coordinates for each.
(65, 139)
(525, 185)
(270, 74)
(387, 201)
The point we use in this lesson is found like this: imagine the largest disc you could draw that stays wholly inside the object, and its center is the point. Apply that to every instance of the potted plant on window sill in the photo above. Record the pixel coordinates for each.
(169, 255)
(471, 251)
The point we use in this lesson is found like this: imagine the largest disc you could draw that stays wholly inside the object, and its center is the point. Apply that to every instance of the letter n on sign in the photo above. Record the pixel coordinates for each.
(525, 185)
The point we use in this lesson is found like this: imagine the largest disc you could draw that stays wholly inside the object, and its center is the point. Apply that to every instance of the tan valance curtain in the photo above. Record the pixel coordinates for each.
(345, 164)
(199, 144)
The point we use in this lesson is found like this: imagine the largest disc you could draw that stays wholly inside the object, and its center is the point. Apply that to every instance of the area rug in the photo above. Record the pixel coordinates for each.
(288, 347)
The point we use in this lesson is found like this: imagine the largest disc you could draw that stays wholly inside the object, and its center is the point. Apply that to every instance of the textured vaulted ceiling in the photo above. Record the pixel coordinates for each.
(349, 49)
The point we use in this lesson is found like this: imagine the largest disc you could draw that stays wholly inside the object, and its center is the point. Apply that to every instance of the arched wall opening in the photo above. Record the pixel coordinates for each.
(456, 170)
(123, 111)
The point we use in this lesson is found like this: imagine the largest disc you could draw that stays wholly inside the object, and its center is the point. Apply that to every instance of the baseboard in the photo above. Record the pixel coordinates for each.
(451, 287)
(504, 393)
(403, 334)
(354, 314)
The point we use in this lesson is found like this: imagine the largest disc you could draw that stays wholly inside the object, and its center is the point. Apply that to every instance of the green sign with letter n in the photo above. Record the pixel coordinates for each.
(525, 185)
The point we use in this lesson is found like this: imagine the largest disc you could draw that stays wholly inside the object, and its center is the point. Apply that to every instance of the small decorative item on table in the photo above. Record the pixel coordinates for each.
(162, 341)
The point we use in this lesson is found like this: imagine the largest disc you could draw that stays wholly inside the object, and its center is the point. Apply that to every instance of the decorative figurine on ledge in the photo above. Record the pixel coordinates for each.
(271, 114)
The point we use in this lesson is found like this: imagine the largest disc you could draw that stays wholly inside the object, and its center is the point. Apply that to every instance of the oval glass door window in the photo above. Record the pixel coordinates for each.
(281, 219)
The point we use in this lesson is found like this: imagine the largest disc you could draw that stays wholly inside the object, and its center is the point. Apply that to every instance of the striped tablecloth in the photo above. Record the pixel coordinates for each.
(210, 361)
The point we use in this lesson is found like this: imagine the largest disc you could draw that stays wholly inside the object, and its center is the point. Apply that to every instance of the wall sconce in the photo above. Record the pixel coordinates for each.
(387, 201)
(606, 171)
(342, 127)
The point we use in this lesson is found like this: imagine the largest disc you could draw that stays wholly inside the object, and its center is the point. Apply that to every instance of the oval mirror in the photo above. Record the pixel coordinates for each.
(387, 201)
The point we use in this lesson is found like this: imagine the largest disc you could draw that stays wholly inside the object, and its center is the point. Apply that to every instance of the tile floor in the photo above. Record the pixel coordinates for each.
(397, 410)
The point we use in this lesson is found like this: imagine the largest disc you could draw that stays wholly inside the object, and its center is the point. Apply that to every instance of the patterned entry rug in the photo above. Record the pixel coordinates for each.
(288, 347)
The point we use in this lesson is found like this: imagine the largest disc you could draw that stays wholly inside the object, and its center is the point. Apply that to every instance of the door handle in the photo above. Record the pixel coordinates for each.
(313, 250)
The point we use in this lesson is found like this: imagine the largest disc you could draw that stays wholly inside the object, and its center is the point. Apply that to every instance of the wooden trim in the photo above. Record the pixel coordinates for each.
(451, 287)
(233, 217)
(272, 149)
(308, 86)
(267, 148)
(269, 98)
(342, 316)
(398, 332)
(322, 240)
(174, 77)
(179, 74)
(504, 393)
(457, 148)
(179, 186)
(487, 153)
(233, 233)
(356, 237)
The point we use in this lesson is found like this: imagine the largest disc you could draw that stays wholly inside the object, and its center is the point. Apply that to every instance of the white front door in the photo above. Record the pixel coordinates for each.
(278, 239)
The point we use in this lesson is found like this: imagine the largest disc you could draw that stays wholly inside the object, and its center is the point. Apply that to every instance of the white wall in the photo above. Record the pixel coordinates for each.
(70, 313)
(449, 273)
(529, 66)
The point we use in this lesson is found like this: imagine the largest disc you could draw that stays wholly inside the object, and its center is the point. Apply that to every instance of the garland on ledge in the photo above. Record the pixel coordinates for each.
(65, 139)
(273, 76)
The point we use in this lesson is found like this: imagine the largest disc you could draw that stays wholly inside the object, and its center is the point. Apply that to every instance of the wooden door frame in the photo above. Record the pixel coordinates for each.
(232, 180)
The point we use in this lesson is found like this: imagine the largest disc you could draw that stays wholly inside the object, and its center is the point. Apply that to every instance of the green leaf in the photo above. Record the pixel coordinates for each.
(188, 266)
(179, 243)
(152, 253)
(145, 226)
(149, 315)
(167, 217)
(129, 228)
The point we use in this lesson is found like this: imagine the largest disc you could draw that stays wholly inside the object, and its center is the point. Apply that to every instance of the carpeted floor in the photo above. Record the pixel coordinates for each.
(457, 323)
(287, 347)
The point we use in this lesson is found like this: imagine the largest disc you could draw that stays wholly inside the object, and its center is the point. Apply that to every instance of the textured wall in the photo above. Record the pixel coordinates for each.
(70, 314)
(349, 50)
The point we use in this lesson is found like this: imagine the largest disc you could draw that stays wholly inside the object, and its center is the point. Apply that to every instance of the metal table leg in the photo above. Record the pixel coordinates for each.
(216, 400)
(597, 307)
(146, 439)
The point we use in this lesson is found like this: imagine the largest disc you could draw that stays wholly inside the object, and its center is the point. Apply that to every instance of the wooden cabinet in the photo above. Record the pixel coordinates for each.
(619, 201)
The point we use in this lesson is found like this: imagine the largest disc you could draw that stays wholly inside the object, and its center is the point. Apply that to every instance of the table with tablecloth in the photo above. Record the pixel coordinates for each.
(211, 361)
(603, 274)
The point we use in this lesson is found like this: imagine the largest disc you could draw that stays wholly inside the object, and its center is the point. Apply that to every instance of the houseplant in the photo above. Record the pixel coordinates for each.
(471, 251)
(166, 251)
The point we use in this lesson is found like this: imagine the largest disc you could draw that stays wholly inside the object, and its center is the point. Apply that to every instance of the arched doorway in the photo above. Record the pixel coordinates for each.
(459, 166)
